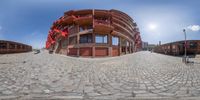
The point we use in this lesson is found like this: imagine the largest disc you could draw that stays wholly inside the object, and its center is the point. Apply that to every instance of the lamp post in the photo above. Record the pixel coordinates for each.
(185, 55)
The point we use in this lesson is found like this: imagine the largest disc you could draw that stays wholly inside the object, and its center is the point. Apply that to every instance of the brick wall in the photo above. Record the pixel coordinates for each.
(101, 51)
(86, 51)
(115, 51)
(72, 51)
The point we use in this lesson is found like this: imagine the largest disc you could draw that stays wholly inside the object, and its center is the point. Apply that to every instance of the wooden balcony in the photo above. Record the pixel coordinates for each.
(84, 20)
(122, 29)
(102, 26)
(127, 25)
(102, 14)
(82, 12)
(68, 20)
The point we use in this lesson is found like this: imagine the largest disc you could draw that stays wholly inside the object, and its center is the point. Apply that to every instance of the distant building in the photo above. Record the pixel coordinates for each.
(177, 48)
(94, 33)
(159, 42)
(144, 45)
(151, 47)
(13, 47)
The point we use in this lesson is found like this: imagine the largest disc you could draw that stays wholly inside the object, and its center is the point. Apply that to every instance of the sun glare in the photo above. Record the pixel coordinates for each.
(152, 26)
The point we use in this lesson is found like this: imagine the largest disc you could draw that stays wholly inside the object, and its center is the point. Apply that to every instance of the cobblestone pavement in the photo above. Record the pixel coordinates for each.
(142, 75)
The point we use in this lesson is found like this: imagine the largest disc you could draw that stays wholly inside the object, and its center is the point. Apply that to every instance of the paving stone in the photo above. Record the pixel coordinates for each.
(142, 74)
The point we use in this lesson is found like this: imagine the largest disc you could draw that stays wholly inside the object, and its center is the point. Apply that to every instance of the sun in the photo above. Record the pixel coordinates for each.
(152, 26)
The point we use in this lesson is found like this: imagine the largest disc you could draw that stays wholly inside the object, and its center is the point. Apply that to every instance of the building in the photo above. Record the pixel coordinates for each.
(94, 33)
(178, 48)
(13, 47)
(151, 47)
(144, 45)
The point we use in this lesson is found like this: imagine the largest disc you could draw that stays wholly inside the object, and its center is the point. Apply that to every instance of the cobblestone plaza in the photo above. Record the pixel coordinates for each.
(142, 75)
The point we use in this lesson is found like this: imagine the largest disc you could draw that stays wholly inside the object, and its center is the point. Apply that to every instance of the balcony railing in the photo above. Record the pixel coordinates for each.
(84, 20)
(102, 21)
(83, 16)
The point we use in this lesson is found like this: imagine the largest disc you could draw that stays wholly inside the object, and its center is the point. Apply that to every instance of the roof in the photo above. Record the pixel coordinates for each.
(14, 42)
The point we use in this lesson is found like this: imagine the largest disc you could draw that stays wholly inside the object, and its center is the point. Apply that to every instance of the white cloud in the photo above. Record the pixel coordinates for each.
(194, 27)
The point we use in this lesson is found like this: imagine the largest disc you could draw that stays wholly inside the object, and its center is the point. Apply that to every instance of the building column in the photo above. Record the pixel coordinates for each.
(119, 47)
(126, 48)
(77, 42)
(16, 48)
(130, 47)
(133, 45)
(7, 46)
(94, 44)
(110, 45)
(93, 51)
(67, 45)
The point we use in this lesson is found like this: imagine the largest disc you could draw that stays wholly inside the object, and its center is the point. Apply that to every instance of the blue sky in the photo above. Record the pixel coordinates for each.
(28, 21)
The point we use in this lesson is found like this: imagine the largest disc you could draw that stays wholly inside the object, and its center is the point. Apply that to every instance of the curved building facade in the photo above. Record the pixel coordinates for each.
(94, 33)
(13, 47)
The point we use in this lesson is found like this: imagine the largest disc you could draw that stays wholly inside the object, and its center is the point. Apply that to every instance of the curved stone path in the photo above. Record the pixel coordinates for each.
(134, 76)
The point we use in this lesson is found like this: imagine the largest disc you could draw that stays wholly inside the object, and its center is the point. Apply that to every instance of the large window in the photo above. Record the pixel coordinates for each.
(115, 40)
(73, 29)
(80, 29)
(72, 40)
(101, 38)
(3, 46)
(86, 38)
(12, 46)
(18, 46)
(64, 44)
(193, 45)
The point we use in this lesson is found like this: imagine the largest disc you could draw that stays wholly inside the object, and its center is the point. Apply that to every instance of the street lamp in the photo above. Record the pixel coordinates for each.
(185, 55)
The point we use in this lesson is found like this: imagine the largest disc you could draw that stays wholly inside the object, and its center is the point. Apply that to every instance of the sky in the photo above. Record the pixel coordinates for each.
(28, 21)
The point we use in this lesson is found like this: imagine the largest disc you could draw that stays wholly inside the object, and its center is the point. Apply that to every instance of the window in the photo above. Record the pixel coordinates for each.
(18, 46)
(193, 45)
(12, 46)
(72, 40)
(86, 38)
(73, 29)
(101, 38)
(173, 46)
(80, 29)
(127, 43)
(64, 44)
(115, 40)
(23, 47)
(3, 46)
(168, 47)
(89, 27)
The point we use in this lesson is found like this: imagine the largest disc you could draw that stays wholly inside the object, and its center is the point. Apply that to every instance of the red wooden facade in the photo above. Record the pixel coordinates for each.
(95, 33)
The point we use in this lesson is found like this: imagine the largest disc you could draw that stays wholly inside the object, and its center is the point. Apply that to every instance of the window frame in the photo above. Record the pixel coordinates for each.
(115, 37)
(3, 46)
(85, 38)
(72, 40)
(103, 40)
(193, 45)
